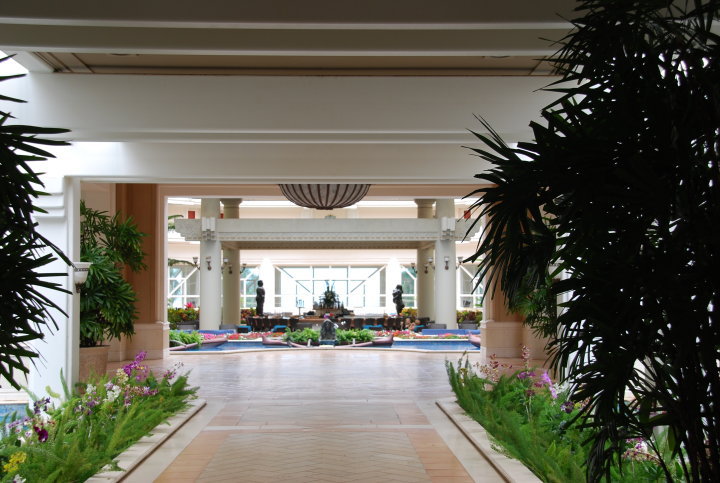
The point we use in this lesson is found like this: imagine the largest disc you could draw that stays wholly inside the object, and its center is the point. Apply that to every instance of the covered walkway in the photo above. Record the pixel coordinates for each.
(317, 416)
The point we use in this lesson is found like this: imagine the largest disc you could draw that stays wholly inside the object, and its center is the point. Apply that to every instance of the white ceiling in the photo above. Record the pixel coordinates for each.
(379, 92)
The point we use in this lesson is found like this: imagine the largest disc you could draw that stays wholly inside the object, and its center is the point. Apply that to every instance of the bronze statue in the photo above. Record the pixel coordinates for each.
(260, 298)
(397, 299)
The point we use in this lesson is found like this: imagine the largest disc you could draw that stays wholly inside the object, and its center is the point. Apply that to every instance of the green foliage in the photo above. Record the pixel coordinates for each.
(620, 190)
(186, 338)
(25, 312)
(107, 302)
(469, 315)
(85, 433)
(347, 336)
(189, 313)
(302, 336)
(530, 425)
(329, 299)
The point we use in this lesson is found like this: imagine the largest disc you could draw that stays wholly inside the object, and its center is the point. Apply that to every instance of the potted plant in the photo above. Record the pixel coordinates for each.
(107, 300)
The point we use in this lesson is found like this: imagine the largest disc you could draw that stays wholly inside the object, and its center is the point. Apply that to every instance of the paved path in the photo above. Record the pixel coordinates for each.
(317, 416)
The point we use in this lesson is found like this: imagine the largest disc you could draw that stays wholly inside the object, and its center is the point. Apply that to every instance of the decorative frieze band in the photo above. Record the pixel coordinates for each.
(342, 230)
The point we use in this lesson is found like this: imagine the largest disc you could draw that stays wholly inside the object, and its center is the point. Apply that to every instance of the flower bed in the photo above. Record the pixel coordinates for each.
(83, 434)
(534, 422)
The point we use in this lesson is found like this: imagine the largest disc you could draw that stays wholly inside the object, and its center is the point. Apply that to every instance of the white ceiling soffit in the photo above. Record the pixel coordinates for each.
(286, 37)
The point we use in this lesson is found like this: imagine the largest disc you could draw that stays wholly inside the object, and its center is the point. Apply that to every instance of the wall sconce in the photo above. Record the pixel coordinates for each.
(195, 262)
(242, 268)
(447, 262)
(460, 260)
(207, 260)
(80, 274)
(429, 264)
(227, 266)
(413, 268)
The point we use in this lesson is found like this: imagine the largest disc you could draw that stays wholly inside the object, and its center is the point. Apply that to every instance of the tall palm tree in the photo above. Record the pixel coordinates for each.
(620, 189)
(25, 312)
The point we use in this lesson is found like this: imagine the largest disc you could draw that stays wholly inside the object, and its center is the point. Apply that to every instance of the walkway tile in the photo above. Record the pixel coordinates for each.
(316, 416)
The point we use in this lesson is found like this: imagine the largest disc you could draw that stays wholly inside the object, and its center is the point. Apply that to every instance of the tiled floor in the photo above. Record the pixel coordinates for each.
(317, 416)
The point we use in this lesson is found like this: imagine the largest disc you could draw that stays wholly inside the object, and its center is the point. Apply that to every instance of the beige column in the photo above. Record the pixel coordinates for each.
(425, 286)
(500, 329)
(445, 270)
(142, 202)
(231, 271)
(210, 266)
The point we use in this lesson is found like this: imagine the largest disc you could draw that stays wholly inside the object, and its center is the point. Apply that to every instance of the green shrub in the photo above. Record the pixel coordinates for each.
(86, 432)
(347, 336)
(302, 336)
(186, 337)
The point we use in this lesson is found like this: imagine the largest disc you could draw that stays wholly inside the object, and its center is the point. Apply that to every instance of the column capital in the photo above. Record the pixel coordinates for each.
(231, 207)
(231, 202)
(424, 207)
(424, 202)
(445, 208)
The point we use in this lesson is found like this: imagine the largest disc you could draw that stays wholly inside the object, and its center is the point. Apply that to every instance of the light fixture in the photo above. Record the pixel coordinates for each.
(80, 274)
(227, 266)
(460, 260)
(429, 264)
(195, 262)
(447, 262)
(207, 260)
(324, 196)
(242, 268)
(413, 269)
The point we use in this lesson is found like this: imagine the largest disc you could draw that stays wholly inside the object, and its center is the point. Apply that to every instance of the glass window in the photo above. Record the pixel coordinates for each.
(470, 292)
(358, 288)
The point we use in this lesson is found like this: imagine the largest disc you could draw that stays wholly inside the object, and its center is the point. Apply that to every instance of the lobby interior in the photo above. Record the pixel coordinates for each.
(219, 101)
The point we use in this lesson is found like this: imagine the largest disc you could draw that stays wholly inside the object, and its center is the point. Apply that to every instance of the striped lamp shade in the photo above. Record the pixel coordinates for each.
(324, 196)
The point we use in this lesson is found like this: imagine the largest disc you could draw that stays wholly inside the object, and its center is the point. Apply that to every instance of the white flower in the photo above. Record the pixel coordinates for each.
(112, 394)
(89, 389)
(43, 417)
(18, 479)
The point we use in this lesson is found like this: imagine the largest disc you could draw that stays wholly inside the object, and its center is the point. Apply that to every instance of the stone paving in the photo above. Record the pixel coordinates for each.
(317, 416)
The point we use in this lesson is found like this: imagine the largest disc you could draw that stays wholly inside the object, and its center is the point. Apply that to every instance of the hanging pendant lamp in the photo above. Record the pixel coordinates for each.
(324, 196)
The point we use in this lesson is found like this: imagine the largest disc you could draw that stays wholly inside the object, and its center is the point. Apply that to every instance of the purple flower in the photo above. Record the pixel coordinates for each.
(41, 405)
(526, 375)
(41, 433)
(545, 378)
(567, 406)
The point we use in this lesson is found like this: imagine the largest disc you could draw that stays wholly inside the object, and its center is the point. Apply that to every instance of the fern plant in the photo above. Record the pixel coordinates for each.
(107, 300)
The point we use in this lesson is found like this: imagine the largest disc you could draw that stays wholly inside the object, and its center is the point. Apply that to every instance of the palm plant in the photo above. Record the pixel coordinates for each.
(620, 190)
(24, 310)
(107, 300)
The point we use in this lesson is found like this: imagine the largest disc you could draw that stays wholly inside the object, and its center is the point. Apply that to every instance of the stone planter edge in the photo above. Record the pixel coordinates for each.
(129, 459)
(509, 469)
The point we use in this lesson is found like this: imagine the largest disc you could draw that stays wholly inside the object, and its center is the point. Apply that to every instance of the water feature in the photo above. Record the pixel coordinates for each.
(443, 345)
